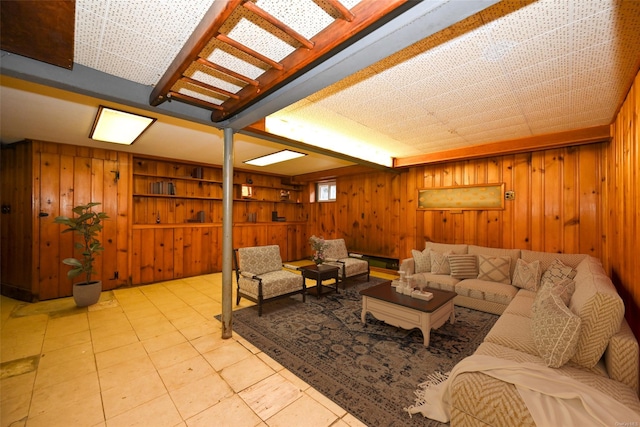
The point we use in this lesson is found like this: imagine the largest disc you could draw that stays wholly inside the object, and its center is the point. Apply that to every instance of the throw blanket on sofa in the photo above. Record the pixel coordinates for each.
(552, 399)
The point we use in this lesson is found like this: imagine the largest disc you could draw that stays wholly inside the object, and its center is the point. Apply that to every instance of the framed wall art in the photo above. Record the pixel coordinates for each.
(464, 197)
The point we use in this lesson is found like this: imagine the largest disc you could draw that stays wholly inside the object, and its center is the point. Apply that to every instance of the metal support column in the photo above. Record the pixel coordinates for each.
(227, 233)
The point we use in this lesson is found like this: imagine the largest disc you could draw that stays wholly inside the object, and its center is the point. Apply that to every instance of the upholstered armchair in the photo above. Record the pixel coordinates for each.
(335, 253)
(260, 276)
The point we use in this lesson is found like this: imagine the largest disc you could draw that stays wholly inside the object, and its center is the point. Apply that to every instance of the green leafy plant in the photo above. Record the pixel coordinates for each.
(87, 225)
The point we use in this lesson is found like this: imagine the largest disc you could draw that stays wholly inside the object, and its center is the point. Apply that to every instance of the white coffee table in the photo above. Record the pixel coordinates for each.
(405, 312)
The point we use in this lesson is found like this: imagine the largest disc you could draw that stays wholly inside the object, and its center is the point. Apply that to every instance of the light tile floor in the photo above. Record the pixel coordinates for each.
(149, 355)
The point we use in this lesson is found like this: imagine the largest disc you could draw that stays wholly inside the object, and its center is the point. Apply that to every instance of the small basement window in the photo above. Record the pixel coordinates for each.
(326, 191)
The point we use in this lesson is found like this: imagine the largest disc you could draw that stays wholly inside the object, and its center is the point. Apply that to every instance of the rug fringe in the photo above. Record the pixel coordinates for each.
(433, 380)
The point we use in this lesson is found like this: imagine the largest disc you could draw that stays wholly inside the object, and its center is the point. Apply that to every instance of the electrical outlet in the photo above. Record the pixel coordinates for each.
(510, 195)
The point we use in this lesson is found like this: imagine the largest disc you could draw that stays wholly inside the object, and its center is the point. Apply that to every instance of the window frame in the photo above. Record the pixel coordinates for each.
(329, 184)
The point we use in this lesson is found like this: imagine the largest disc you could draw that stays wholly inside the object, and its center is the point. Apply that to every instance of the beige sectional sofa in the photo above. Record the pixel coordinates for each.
(559, 311)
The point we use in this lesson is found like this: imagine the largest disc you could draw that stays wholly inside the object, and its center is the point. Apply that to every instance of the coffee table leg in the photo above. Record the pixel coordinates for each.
(426, 328)
(363, 316)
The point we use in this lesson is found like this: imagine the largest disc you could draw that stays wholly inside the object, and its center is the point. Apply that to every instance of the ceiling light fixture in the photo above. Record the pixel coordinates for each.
(276, 157)
(118, 126)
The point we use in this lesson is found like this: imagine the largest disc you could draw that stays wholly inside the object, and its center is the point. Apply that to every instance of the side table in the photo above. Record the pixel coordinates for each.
(320, 273)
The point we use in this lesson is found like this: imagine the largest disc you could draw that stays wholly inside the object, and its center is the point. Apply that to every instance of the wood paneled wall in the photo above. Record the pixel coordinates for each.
(557, 207)
(622, 200)
(53, 178)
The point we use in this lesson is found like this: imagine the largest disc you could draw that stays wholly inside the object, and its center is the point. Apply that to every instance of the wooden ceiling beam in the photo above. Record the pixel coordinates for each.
(251, 6)
(346, 13)
(209, 87)
(227, 71)
(366, 13)
(231, 42)
(205, 31)
(193, 101)
(512, 146)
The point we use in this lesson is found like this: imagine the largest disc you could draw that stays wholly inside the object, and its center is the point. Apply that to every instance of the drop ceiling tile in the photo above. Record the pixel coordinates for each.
(260, 39)
(125, 68)
(234, 60)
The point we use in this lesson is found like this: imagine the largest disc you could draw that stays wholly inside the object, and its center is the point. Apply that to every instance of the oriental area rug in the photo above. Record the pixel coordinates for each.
(369, 370)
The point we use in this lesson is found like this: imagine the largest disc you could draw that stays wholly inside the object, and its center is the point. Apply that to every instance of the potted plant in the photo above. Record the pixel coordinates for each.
(87, 225)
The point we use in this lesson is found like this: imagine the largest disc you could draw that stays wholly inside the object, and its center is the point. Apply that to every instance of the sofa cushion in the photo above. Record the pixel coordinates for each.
(521, 303)
(546, 258)
(422, 260)
(555, 331)
(440, 263)
(526, 275)
(514, 254)
(514, 332)
(463, 266)
(494, 269)
(436, 281)
(558, 271)
(600, 308)
(486, 290)
(446, 247)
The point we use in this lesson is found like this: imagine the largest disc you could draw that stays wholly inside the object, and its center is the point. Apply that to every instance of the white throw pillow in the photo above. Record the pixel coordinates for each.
(440, 263)
(526, 275)
(494, 269)
(558, 271)
(422, 260)
(555, 331)
(563, 289)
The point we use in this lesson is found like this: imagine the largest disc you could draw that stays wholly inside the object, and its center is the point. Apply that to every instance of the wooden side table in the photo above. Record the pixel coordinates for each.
(320, 273)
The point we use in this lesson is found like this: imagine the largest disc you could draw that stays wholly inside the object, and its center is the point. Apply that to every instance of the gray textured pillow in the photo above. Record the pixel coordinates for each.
(555, 331)
(526, 275)
(494, 269)
(440, 263)
(558, 271)
(463, 266)
(422, 260)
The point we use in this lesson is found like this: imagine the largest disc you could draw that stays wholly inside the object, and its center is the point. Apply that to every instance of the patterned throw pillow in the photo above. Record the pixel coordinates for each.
(463, 266)
(558, 271)
(440, 263)
(422, 260)
(526, 275)
(494, 269)
(563, 289)
(555, 331)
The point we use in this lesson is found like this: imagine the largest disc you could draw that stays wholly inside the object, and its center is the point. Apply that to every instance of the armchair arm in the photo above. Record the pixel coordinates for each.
(408, 265)
(333, 260)
(249, 275)
(291, 267)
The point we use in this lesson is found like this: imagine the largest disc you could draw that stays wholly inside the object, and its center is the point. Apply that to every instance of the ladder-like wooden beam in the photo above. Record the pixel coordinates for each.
(209, 87)
(249, 5)
(194, 101)
(210, 25)
(366, 13)
(227, 71)
(346, 13)
(231, 42)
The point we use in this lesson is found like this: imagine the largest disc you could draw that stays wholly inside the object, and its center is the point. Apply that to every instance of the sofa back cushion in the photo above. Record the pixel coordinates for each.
(446, 247)
(259, 259)
(336, 249)
(514, 254)
(546, 258)
(600, 308)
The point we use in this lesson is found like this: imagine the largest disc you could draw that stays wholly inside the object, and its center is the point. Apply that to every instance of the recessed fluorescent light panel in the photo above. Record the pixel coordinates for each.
(118, 126)
(278, 157)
